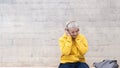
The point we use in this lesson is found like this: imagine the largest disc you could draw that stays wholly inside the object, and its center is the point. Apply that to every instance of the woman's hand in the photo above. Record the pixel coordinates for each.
(67, 32)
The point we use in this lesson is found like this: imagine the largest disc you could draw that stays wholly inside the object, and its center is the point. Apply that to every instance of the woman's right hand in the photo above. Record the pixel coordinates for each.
(67, 32)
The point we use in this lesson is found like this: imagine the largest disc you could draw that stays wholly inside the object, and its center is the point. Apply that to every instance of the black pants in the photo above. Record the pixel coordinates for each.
(74, 65)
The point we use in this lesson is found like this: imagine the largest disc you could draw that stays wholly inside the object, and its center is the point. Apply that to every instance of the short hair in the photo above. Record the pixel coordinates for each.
(72, 24)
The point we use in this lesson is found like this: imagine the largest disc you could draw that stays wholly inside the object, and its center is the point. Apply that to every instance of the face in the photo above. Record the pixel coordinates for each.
(74, 32)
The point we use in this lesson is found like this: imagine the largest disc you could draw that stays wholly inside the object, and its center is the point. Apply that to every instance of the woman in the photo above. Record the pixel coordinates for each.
(73, 46)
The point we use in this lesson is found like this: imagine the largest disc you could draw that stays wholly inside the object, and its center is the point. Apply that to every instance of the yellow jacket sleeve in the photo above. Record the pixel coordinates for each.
(82, 45)
(65, 45)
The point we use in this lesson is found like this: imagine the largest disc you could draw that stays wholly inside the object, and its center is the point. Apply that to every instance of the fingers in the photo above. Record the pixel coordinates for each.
(67, 32)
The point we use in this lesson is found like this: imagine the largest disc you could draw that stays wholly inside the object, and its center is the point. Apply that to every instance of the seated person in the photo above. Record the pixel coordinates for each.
(73, 46)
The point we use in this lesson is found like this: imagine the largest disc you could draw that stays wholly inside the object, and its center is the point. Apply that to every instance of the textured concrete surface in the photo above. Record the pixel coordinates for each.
(31, 67)
(29, 30)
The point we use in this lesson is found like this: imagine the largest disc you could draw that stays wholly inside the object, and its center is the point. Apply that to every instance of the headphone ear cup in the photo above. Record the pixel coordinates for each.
(78, 29)
(66, 29)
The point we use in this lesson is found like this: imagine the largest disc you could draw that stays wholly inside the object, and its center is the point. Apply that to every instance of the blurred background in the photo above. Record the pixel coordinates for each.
(30, 29)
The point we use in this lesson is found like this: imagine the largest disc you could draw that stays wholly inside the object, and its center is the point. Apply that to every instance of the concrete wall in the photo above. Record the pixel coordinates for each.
(29, 30)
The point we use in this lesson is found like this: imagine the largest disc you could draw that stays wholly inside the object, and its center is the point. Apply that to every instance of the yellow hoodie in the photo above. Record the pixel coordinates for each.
(73, 50)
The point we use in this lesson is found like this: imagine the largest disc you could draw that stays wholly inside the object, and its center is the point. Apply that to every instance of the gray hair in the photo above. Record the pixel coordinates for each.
(72, 24)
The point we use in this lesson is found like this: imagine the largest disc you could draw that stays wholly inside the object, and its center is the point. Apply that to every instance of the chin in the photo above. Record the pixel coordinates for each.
(74, 37)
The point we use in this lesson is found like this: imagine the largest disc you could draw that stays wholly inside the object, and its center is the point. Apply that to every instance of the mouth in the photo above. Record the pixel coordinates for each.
(74, 36)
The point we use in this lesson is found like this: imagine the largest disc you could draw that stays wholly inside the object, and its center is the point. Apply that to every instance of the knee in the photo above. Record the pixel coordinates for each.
(63, 66)
(83, 65)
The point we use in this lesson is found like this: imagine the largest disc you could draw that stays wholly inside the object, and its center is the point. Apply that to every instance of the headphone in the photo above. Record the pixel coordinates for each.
(69, 23)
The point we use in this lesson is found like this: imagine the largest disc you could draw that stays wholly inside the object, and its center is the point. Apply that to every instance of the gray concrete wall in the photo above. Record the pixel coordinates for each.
(29, 30)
